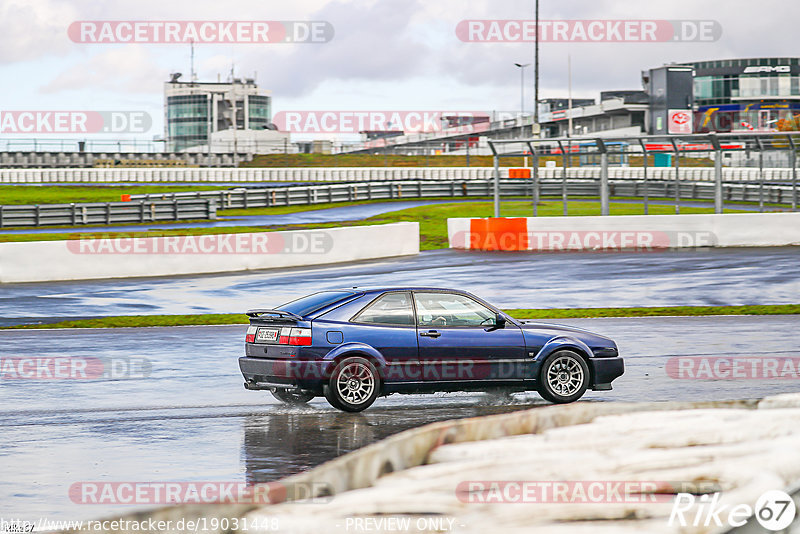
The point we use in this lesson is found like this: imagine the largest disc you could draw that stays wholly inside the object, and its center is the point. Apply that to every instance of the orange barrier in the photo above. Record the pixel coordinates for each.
(504, 233)
(519, 173)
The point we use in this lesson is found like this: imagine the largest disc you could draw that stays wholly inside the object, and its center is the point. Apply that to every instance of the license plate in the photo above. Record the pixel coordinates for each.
(267, 334)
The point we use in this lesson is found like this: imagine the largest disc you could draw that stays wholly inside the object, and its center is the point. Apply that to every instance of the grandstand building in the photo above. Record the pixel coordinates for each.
(193, 111)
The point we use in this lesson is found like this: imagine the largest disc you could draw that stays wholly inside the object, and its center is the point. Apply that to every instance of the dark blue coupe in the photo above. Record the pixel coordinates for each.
(352, 345)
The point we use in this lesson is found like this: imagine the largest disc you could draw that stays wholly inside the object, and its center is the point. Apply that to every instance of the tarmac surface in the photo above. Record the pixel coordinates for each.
(703, 277)
(188, 418)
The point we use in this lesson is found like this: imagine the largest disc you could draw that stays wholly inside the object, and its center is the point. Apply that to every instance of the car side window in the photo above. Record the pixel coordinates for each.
(449, 309)
(390, 308)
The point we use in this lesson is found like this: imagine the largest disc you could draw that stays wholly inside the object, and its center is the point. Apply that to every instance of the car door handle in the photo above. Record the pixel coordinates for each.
(430, 333)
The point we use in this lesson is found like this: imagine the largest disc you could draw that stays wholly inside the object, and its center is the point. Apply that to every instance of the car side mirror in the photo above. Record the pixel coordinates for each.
(499, 322)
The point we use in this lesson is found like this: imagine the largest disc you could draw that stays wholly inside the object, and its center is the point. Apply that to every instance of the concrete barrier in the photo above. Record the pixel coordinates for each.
(86, 258)
(625, 232)
(300, 174)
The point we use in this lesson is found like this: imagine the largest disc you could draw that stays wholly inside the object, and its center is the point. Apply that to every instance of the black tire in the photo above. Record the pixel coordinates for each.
(292, 397)
(564, 377)
(354, 385)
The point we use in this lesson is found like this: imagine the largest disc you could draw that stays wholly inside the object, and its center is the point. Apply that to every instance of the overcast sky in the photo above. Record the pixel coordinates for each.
(386, 54)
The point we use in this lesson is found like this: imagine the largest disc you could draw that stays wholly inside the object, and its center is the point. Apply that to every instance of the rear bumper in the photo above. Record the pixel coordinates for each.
(604, 371)
(264, 373)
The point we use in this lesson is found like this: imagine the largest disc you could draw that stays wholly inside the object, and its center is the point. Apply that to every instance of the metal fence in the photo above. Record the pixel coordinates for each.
(93, 213)
(678, 147)
(195, 205)
(243, 198)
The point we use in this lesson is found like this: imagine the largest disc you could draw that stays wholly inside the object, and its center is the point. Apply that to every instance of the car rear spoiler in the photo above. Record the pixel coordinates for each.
(258, 312)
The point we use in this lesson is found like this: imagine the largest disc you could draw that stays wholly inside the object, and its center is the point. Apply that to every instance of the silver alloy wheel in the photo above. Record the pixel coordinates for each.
(565, 376)
(355, 383)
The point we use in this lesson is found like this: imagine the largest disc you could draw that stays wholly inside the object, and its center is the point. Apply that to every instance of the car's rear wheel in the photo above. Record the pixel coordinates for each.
(564, 377)
(292, 397)
(354, 385)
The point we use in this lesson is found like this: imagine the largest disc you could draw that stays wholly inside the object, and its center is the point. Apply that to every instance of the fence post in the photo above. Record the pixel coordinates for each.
(793, 160)
(564, 166)
(718, 206)
(760, 176)
(677, 177)
(496, 185)
(646, 191)
(604, 207)
(1, 216)
(535, 174)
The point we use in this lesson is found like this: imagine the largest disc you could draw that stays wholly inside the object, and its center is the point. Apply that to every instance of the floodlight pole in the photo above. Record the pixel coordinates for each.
(536, 68)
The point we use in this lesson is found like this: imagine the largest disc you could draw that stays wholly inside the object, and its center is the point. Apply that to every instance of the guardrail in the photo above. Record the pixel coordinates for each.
(243, 198)
(79, 214)
(193, 205)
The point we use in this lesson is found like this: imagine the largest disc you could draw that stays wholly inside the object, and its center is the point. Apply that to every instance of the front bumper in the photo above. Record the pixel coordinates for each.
(265, 373)
(604, 371)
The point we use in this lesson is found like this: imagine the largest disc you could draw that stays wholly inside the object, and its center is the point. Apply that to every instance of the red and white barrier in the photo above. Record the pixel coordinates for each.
(625, 232)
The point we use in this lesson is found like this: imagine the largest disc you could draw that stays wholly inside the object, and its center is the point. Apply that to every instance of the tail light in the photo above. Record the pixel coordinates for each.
(300, 336)
(286, 336)
(250, 337)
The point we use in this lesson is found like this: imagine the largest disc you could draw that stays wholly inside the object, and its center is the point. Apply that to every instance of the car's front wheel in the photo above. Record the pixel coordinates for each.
(354, 385)
(292, 397)
(564, 377)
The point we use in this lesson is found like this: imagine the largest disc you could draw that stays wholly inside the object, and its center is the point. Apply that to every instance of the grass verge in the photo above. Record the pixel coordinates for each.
(65, 194)
(556, 313)
(432, 220)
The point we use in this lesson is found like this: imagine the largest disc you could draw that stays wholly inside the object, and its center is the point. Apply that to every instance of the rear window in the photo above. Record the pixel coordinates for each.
(314, 302)
(390, 308)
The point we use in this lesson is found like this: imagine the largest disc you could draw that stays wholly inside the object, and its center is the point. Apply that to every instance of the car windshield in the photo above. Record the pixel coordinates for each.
(314, 302)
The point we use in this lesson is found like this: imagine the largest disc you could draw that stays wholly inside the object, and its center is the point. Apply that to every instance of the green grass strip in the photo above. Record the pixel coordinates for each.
(664, 311)
(557, 313)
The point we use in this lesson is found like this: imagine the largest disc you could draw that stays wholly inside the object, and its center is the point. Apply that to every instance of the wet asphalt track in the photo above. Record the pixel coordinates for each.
(191, 420)
(510, 280)
(311, 216)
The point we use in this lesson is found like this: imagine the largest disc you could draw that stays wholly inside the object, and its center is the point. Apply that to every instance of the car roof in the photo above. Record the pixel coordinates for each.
(380, 289)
